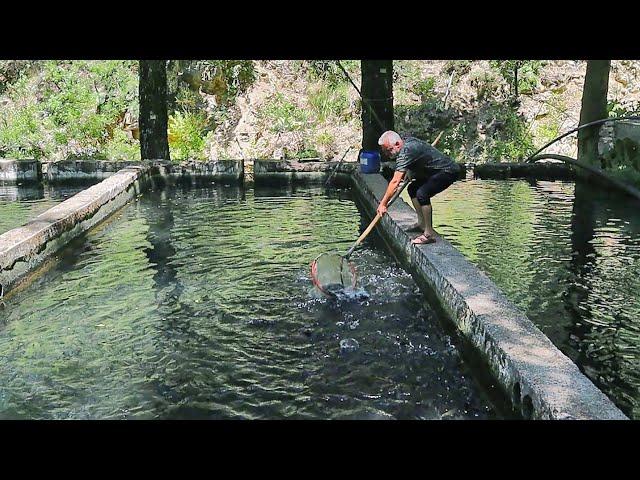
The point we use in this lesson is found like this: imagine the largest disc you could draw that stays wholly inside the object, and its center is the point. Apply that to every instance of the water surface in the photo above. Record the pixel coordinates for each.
(195, 303)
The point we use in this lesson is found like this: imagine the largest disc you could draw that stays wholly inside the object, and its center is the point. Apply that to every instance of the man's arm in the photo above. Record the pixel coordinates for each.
(391, 189)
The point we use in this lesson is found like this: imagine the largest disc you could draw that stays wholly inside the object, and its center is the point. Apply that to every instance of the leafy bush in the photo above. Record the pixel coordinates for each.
(616, 108)
(309, 152)
(187, 135)
(121, 147)
(188, 101)
(12, 70)
(513, 140)
(283, 115)
(425, 88)
(325, 138)
(486, 83)
(549, 127)
(327, 101)
(70, 109)
(22, 133)
(527, 70)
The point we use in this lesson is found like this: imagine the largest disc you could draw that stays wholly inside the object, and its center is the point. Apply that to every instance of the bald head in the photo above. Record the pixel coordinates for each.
(389, 138)
(390, 143)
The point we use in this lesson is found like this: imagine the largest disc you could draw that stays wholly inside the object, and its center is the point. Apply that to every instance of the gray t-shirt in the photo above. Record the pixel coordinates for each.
(421, 159)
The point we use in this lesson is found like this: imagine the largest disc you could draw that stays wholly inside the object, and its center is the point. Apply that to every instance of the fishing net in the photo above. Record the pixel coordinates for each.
(331, 273)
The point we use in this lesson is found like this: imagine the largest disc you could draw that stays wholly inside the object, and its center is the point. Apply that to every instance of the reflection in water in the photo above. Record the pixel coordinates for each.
(19, 204)
(572, 266)
(196, 304)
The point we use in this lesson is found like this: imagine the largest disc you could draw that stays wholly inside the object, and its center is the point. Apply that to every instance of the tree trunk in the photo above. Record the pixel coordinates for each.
(377, 90)
(154, 143)
(594, 107)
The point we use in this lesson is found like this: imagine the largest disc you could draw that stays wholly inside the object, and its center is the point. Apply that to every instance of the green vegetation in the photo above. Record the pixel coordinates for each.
(328, 71)
(328, 101)
(513, 141)
(486, 83)
(187, 135)
(69, 109)
(283, 115)
(58, 110)
(527, 73)
(88, 109)
(551, 124)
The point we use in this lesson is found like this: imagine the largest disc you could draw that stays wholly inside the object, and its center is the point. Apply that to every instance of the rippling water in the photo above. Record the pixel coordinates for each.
(569, 256)
(19, 204)
(197, 304)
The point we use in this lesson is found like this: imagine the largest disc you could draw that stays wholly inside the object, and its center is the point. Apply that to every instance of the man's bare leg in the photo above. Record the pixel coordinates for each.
(427, 215)
(420, 225)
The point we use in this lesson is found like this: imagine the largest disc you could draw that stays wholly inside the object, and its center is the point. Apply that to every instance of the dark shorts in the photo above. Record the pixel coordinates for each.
(425, 188)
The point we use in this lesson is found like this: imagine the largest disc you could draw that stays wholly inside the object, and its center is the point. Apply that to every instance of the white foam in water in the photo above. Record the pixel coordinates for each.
(351, 294)
(349, 345)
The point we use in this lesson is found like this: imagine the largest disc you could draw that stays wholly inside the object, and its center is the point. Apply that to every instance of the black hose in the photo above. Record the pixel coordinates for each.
(596, 171)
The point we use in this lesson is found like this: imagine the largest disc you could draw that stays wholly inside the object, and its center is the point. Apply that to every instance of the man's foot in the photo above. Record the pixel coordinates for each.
(423, 240)
(415, 228)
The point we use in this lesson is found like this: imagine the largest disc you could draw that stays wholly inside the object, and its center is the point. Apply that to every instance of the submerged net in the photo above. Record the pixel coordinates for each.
(331, 273)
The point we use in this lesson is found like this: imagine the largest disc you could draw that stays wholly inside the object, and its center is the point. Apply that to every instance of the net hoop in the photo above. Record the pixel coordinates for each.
(318, 285)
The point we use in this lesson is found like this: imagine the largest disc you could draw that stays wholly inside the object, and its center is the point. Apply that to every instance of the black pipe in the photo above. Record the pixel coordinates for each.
(596, 171)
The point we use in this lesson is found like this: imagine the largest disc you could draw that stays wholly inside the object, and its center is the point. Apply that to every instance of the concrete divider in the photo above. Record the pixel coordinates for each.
(231, 171)
(538, 170)
(539, 379)
(289, 170)
(70, 170)
(25, 248)
(19, 171)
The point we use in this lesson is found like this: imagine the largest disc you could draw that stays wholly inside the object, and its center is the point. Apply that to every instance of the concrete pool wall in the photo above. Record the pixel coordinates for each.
(25, 248)
(18, 171)
(540, 381)
(69, 171)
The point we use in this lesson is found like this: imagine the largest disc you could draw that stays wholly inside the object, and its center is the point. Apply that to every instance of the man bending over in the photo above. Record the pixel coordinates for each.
(432, 171)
